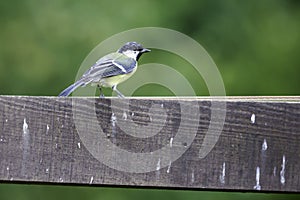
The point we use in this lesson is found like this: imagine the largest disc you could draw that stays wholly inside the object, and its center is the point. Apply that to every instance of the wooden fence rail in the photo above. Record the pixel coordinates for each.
(214, 143)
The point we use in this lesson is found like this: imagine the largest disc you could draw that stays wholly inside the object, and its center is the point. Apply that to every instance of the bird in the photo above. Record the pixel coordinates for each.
(111, 69)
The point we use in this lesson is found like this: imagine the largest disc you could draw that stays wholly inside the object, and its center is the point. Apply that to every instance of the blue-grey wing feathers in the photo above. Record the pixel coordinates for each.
(111, 65)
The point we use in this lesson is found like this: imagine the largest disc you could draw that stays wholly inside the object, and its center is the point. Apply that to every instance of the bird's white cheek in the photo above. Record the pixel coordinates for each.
(131, 54)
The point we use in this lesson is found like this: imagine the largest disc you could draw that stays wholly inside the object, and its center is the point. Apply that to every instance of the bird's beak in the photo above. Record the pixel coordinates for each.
(145, 50)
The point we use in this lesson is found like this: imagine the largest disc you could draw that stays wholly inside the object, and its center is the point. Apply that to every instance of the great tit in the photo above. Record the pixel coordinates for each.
(111, 69)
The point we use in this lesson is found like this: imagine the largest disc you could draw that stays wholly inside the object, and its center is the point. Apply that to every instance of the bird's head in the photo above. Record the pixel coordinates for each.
(133, 50)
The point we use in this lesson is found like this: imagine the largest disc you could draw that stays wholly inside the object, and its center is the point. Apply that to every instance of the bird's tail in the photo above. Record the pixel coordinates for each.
(71, 88)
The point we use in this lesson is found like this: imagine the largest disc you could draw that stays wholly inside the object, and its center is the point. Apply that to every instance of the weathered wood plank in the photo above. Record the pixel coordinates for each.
(44, 139)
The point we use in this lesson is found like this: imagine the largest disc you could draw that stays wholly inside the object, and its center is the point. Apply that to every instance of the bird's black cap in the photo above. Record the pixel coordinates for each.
(134, 46)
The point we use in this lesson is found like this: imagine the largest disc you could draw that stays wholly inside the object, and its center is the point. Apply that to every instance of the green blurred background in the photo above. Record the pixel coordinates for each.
(255, 44)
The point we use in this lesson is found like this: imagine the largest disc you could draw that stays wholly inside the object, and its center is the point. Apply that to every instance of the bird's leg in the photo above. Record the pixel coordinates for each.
(101, 92)
(120, 95)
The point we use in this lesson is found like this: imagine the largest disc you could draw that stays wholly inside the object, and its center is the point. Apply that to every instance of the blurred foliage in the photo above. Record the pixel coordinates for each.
(29, 192)
(255, 44)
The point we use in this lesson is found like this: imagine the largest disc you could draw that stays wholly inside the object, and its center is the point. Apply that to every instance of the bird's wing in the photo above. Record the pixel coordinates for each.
(111, 65)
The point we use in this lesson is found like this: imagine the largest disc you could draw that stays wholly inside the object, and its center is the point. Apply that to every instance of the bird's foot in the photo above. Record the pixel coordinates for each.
(120, 95)
(101, 92)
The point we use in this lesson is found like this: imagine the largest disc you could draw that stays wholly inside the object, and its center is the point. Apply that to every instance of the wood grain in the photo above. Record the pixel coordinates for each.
(259, 146)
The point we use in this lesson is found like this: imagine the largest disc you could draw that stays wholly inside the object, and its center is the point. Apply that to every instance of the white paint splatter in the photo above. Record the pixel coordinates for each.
(113, 119)
(253, 118)
(7, 168)
(25, 146)
(61, 179)
(6, 120)
(25, 127)
(91, 180)
(158, 165)
(47, 170)
(169, 167)
(171, 141)
(124, 116)
(274, 171)
(132, 114)
(257, 177)
(162, 105)
(282, 172)
(193, 176)
(79, 145)
(47, 129)
(56, 146)
(223, 173)
(264, 146)
(1, 140)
